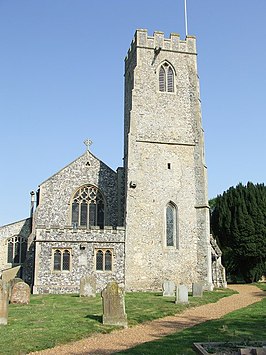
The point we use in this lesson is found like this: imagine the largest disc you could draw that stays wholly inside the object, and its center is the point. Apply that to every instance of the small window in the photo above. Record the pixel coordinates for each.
(66, 260)
(108, 260)
(171, 225)
(61, 260)
(104, 260)
(166, 78)
(57, 260)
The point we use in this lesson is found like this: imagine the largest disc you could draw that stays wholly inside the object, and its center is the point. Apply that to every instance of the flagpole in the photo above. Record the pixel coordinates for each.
(185, 3)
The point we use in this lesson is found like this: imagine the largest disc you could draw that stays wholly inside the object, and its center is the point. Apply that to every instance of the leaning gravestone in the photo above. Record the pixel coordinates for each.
(10, 274)
(181, 294)
(4, 301)
(197, 290)
(169, 288)
(20, 293)
(88, 286)
(114, 305)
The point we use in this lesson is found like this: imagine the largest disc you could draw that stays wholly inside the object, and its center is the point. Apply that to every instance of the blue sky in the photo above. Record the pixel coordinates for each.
(61, 81)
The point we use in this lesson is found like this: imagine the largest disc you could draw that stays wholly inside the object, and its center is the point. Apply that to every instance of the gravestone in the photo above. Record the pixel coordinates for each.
(169, 288)
(114, 305)
(4, 301)
(12, 283)
(20, 293)
(197, 289)
(181, 294)
(10, 274)
(88, 286)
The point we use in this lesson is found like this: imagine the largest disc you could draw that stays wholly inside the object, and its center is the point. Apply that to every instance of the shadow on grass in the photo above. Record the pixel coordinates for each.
(243, 326)
(98, 319)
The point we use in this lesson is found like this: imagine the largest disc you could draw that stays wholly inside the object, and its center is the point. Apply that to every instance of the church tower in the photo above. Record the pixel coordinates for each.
(167, 214)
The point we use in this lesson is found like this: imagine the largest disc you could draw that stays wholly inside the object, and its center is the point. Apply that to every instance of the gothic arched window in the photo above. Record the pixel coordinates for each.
(16, 250)
(88, 207)
(171, 225)
(104, 260)
(166, 78)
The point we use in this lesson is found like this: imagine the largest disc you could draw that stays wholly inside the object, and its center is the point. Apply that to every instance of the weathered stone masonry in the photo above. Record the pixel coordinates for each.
(82, 245)
(164, 158)
(153, 221)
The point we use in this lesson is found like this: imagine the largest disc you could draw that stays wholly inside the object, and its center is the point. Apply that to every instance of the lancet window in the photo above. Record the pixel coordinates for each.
(88, 207)
(166, 78)
(171, 225)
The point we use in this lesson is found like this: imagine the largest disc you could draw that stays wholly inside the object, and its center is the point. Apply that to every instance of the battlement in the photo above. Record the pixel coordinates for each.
(174, 43)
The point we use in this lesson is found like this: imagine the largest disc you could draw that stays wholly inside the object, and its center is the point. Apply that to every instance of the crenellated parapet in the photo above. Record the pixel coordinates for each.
(174, 43)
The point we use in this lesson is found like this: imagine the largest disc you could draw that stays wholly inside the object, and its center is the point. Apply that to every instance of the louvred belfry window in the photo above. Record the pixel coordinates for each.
(88, 207)
(166, 78)
(162, 79)
(170, 80)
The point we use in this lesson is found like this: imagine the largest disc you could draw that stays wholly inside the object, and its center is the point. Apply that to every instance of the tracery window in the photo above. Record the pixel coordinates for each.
(166, 78)
(16, 250)
(171, 225)
(88, 207)
(104, 260)
(61, 259)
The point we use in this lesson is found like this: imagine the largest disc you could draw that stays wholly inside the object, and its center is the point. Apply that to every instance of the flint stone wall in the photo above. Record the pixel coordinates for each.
(56, 193)
(83, 260)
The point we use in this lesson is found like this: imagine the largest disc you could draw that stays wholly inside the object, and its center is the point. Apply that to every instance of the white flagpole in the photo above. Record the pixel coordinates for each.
(185, 1)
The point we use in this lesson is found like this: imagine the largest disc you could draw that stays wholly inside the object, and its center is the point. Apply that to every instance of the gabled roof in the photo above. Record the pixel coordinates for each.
(87, 154)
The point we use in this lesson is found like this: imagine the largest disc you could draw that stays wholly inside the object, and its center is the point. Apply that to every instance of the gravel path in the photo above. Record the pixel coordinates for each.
(102, 344)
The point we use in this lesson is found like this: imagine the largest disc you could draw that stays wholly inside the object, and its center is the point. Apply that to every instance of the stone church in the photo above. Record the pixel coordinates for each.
(144, 223)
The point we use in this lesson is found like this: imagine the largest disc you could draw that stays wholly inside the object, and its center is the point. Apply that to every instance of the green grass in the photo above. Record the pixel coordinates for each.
(244, 325)
(50, 320)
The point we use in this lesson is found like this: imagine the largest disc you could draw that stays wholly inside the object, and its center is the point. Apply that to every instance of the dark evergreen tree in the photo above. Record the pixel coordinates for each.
(238, 221)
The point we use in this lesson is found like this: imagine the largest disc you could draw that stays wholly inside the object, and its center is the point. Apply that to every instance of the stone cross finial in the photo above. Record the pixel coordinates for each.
(88, 143)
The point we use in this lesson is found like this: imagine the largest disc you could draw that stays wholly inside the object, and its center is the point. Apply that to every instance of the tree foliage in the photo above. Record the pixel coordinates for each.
(238, 221)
